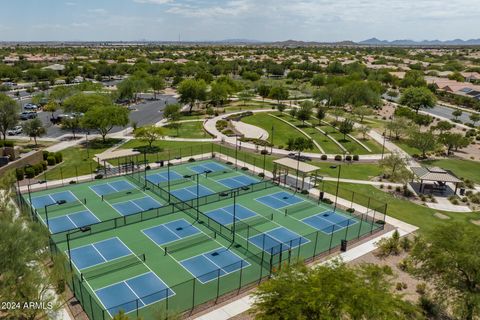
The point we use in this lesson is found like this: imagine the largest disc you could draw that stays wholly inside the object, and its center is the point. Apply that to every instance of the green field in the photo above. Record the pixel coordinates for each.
(267, 232)
(462, 168)
(191, 130)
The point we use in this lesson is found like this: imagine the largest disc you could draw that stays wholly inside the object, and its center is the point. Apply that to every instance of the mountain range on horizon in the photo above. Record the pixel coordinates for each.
(406, 42)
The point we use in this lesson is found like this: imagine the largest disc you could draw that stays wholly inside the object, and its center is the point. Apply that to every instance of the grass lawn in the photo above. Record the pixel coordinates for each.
(282, 131)
(192, 130)
(407, 211)
(78, 161)
(462, 168)
(405, 147)
(357, 171)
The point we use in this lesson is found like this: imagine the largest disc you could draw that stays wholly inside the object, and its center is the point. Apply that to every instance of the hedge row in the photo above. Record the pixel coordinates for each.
(31, 171)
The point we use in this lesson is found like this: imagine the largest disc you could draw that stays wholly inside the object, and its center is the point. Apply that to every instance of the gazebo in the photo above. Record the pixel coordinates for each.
(128, 156)
(282, 167)
(438, 176)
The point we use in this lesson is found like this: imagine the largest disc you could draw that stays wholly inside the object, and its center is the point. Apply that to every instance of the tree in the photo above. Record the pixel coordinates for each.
(413, 78)
(318, 80)
(157, 84)
(172, 114)
(299, 292)
(364, 130)
(321, 114)
(60, 93)
(245, 95)
(34, 129)
(24, 277)
(453, 141)
(305, 111)
(191, 91)
(263, 90)
(8, 114)
(104, 118)
(398, 126)
(82, 102)
(218, 94)
(346, 127)
(72, 123)
(362, 112)
(457, 113)
(392, 165)
(474, 117)
(417, 98)
(278, 93)
(443, 126)
(448, 259)
(148, 134)
(424, 141)
(51, 106)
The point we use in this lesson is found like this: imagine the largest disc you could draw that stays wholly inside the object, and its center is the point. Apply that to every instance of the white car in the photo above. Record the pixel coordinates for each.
(16, 130)
(31, 106)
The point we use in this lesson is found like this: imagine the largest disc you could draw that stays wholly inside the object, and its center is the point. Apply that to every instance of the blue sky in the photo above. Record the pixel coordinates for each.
(315, 20)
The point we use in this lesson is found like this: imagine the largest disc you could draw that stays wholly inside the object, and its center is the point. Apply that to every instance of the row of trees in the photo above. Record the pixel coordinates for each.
(445, 258)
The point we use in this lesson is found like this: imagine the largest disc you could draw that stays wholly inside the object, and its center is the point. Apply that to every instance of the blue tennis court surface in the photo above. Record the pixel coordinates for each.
(98, 253)
(129, 207)
(225, 215)
(329, 222)
(278, 239)
(171, 231)
(41, 201)
(112, 187)
(237, 182)
(209, 266)
(189, 193)
(146, 288)
(160, 177)
(72, 221)
(209, 166)
(279, 200)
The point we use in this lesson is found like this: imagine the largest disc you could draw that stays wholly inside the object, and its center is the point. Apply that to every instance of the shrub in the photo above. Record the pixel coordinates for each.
(389, 246)
(398, 189)
(72, 182)
(29, 172)
(389, 187)
(45, 155)
(403, 265)
(351, 210)
(229, 163)
(19, 173)
(261, 175)
(421, 288)
(44, 165)
(304, 192)
(99, 176)
(324, 157)
(356, 157)
(327, 201)
(244, 168)
(399, 286)
(58, 157)
(191, 160)
(381, 186)
(348, 158)
(338, 157)
(280, 147)
(51, 160)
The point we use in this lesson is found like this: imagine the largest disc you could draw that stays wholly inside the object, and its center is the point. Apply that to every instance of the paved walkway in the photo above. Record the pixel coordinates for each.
(245, 303)
(250, 131)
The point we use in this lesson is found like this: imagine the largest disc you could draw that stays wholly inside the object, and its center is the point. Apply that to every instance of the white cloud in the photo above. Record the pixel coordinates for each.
(80, 25)
(98, 11)
(153, 1)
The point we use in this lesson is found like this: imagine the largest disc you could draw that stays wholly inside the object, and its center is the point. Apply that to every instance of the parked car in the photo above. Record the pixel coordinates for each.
(30, 106)
(26, 115)
(16, 130)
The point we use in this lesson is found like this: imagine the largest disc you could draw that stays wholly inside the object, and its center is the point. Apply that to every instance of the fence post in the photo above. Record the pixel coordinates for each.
(193, 294)
(218, 284)
(240, 277)
(360, 228)
(373, 222)
(331, 239)
(315, 246)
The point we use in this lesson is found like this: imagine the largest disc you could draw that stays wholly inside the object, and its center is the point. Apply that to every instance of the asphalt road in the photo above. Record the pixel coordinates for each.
(446, 112)
(147, 112)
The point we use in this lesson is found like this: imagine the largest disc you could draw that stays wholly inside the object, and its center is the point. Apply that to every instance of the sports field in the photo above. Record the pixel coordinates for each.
(177, 237)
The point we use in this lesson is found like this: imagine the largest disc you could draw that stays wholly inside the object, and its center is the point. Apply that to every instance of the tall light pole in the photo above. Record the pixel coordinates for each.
(383, 145)
(236, 151)
(271, 148)
(338, 183)
(82, 229)
(59, 202)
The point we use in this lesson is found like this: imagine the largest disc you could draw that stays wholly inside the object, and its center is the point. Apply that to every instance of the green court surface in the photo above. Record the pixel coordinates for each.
(171, 239)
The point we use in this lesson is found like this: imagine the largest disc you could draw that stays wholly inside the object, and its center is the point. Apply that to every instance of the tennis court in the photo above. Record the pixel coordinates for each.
(129, 207)
(329, 221)
(279, 200)
(43, 201)
(183, 254)
(192, 192)
(72, 221)
(161, 177)
(112, 187)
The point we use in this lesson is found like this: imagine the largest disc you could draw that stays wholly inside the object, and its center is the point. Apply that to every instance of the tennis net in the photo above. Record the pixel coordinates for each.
(121, 263)
(252, 222)
(305, 205)
(189, 242)
(176, 181)
(217, 173)
(64, 205)
(120, 194)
